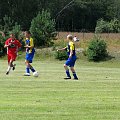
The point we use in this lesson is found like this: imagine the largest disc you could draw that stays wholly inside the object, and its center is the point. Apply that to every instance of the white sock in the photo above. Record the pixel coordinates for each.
(9, 68)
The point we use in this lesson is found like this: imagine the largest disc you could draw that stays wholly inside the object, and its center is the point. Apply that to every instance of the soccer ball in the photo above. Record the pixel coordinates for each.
(35, 74)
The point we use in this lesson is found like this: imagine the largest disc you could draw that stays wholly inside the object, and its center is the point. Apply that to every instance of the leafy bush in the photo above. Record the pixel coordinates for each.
(112, 27)
(102, 26)
(43, 29)
(97, 50)
(61, 55)
(115, 26)
(2, 50)
(2, 41)
(16, 29)
(7, 24)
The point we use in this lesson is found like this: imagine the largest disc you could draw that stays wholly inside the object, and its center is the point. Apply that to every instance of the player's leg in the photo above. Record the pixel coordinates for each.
(8, 69)
(13, 66)
(27, 68)
(73, 60)
(10, 65)
(11, 58)
(74, 73)
(27, 65)
(67, 63)
(32, 68)
(31, 56)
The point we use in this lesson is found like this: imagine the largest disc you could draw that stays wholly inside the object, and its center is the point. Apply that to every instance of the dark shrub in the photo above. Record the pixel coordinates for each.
(97, 50)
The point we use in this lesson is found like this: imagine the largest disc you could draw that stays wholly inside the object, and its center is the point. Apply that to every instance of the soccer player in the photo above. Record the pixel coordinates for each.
(71, 58)
(29, 45)
(12, 45)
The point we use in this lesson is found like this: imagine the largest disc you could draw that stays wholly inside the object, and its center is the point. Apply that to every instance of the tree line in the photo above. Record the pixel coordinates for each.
(69, 15)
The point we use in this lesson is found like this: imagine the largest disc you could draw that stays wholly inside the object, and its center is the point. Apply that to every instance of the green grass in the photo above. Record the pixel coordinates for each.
(95, 96)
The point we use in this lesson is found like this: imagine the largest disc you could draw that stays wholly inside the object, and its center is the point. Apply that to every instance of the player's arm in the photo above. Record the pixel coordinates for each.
(28, 46)
(71, 53)
(19, 44)
(71, 50)
(7, 44)
(62, 49)
(31, 44)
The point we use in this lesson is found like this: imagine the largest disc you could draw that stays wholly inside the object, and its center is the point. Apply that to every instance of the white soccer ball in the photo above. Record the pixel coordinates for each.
(35, 74)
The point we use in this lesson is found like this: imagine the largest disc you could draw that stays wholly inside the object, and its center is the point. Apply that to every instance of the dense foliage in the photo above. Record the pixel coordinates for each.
(70, 15)
(108, 27)
(43, 29)
(61, 55)
(6, 28)
(97, 50)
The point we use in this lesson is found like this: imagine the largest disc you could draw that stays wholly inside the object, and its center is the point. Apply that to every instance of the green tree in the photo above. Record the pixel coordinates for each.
(112, 26)
(7, 24)
(6, 28)
(43, 28)
(97, 50)
(81, 14)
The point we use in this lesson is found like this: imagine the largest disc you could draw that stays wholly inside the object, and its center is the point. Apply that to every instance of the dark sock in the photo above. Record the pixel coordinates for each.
(32, 69)
(68, 73)
(27, 70)
(75, 76)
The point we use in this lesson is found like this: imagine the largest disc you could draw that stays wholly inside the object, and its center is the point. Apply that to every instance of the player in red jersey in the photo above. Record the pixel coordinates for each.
(12, 45)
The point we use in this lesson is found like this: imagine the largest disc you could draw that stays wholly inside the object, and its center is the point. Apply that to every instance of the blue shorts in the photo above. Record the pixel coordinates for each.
(29, 57)
(71, 61)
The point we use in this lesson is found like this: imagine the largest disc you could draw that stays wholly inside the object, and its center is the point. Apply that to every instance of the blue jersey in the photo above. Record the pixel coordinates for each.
(71, 46)
(29, 42)
(29, 51)
(71, 61)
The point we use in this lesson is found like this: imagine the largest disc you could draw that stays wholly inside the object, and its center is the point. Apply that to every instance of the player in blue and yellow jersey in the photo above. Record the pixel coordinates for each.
(70, 48)
(29, 45)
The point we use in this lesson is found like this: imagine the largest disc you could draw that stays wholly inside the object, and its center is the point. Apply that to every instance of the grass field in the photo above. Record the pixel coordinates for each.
(95, 96)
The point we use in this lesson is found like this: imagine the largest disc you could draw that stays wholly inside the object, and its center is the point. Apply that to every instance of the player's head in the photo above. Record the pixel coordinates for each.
(27, 38)
(69, 37)
(27, 34)
(12, 35)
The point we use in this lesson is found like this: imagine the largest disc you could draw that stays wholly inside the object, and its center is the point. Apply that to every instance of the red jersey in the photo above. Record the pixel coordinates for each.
(14, 45)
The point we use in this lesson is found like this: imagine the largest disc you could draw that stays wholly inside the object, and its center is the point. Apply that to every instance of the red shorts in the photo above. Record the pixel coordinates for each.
(11, 57)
